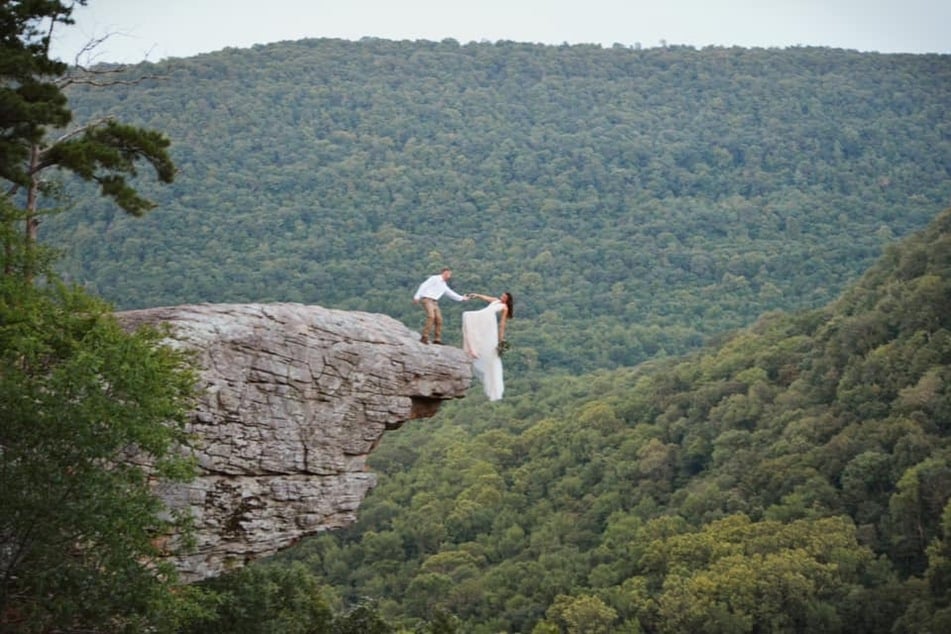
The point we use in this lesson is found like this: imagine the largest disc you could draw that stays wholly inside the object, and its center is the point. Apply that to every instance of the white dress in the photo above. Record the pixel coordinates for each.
(480, 340)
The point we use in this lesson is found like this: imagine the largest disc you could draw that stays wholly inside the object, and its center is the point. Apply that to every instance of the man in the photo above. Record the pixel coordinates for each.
(428, 294)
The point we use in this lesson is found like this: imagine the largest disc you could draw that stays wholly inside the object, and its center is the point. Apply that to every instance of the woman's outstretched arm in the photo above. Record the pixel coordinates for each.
(486, 298)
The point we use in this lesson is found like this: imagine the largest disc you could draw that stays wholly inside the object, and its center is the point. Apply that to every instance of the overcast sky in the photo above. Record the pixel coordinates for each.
(157, 29)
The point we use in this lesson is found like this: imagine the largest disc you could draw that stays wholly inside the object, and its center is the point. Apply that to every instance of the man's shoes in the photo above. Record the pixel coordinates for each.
(424, 339)
(438, 342)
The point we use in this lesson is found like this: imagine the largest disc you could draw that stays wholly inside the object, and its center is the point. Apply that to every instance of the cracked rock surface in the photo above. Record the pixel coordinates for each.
(293, 399)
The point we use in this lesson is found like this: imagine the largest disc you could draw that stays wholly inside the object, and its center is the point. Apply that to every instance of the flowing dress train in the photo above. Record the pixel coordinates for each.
(480, 340)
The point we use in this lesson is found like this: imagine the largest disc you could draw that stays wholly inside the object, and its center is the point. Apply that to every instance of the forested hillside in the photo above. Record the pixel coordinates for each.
(634, 201)
(795, 478)
(771, 212)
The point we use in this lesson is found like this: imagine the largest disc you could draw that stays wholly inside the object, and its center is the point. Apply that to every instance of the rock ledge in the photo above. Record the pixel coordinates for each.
(294, 399)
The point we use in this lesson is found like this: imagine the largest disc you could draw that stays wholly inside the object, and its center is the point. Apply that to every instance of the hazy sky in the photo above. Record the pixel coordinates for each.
(156, 29)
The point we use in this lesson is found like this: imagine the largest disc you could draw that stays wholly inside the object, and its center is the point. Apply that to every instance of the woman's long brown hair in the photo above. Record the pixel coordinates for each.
(509, 302)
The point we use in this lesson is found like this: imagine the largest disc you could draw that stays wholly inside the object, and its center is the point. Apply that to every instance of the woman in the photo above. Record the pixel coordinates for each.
(481, 339)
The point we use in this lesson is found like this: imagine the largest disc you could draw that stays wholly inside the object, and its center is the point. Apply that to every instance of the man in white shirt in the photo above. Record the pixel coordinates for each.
(428, 294)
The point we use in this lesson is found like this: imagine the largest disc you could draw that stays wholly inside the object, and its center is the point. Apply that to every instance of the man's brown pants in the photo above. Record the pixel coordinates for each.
(433, 319)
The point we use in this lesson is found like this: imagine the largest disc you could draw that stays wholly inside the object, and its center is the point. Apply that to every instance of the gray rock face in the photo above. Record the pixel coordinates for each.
(294, 399)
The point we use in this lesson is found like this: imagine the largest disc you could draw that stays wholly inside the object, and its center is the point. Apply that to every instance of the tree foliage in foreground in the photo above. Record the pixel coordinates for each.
(91, 416)
(29, 102)
(81, 528)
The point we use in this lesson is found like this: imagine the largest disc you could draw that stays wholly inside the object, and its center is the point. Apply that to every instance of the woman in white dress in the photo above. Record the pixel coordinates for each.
(483, 338)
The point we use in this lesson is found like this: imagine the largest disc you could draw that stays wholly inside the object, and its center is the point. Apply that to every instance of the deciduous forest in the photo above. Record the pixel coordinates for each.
(636, 202)
(727, 402)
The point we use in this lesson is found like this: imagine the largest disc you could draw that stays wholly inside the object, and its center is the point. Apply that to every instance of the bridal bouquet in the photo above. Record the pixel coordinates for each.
(502, 347)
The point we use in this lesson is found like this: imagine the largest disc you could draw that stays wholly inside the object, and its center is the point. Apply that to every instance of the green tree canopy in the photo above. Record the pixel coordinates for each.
(30, 101)
(91, 416)
(83, 403)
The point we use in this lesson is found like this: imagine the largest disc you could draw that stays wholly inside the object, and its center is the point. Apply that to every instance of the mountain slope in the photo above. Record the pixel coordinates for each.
(797, 477)
(634, 201)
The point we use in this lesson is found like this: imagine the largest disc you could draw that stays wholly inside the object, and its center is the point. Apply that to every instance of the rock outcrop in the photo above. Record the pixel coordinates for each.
(294, 398)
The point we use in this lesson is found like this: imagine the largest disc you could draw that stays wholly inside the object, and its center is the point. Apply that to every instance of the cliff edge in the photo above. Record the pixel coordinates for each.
(293, 399)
